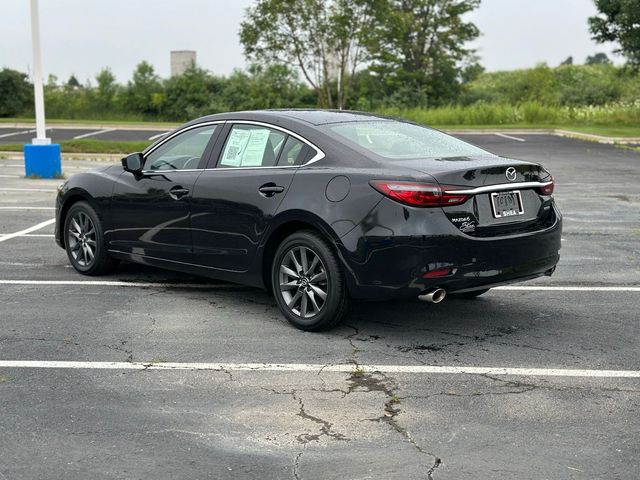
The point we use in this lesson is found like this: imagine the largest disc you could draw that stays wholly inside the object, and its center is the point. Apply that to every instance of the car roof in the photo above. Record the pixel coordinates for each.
(307, 116)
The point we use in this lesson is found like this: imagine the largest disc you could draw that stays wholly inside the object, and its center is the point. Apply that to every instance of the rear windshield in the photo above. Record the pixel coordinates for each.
(399, 141)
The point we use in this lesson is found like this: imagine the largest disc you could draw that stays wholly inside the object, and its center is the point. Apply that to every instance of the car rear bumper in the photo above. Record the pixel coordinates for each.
(388, 256)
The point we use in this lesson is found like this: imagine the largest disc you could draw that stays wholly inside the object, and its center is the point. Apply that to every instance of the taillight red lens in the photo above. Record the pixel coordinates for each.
(419, 194)
(548, 189)
(439, 272)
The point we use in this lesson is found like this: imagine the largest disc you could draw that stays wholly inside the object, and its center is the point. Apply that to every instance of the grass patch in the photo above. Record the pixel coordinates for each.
(89, 146)
(627, 147)
(605, 130)
(610, 120)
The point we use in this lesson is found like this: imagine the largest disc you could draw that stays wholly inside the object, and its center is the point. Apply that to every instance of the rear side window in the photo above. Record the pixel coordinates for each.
(398, 141)
(252, 146)
(293, 153)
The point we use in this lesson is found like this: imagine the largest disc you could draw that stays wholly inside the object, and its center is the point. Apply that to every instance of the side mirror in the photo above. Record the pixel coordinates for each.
(133, 163)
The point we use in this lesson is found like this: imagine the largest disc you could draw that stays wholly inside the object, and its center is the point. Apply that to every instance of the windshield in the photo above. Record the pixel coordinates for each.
(399, 141)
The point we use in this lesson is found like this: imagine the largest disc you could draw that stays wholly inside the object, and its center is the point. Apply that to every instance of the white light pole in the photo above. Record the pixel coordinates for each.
(41, 157)
(41, 136)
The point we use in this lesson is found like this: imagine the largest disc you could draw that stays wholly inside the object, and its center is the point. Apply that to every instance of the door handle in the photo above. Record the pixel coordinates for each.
(178, 192)
(270, 189)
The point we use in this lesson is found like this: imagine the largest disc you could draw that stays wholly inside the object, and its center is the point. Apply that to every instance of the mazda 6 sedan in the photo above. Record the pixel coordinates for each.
(319, 208)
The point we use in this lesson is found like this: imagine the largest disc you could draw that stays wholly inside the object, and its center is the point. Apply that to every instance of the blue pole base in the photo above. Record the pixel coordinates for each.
(42, 160)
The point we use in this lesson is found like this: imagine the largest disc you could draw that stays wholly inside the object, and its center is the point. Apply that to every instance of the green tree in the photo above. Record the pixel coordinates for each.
(598, 59)
(619, 21)
(16, 93)
(73, 82)
(145, 92)
(567, 61)
(192, 94)
(106, 89)
(320, 38)
(420, 46)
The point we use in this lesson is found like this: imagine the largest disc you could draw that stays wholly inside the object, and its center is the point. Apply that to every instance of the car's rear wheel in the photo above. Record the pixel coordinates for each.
(469, 295)
(308, 282)
(84, 241)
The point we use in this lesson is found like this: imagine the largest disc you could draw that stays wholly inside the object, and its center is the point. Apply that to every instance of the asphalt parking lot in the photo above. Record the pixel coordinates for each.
(171, 376)
(58, 133)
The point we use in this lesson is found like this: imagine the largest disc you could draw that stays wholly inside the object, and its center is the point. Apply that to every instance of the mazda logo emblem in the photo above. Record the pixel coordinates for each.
(510, 174)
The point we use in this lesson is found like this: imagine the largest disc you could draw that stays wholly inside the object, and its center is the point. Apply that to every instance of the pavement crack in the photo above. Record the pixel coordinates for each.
(228, 372)
(354, 348)
(326, 427)
(379, 382)
(121, 348)
(153, 325)
(296, 466)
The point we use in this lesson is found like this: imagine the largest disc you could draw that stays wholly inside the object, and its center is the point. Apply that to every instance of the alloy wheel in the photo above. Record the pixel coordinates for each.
(81, 238)
(303, 282)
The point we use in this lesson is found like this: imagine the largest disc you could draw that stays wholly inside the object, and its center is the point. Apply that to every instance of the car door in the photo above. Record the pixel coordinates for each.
(150, 211)
(234, 202)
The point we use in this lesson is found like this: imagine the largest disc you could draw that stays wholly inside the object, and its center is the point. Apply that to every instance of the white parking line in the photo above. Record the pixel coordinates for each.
(153, 137)
(27, 208)
(504, 135)
(91, 134)
(27, 190)
(9, 176)
(542, 288)
(115, 283)
(5, 135)
(308, 367)
(9, 236)
(49, 235)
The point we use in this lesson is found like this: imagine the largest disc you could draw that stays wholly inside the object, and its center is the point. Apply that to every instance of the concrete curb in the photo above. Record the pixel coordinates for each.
(598, 138)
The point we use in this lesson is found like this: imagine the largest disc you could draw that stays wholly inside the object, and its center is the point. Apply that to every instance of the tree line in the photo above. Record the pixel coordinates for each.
(356, 54)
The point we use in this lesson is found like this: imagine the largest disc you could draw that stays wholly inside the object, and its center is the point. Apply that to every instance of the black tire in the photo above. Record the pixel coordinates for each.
(314, 315)
(84, 241)
(470, 295)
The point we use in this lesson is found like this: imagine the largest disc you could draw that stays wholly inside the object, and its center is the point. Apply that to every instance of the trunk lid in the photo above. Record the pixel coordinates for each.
(491, 211)
(476, 171)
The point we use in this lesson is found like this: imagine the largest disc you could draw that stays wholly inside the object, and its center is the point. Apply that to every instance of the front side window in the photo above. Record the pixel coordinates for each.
(182, 152)
(252, 146)
(398, 141)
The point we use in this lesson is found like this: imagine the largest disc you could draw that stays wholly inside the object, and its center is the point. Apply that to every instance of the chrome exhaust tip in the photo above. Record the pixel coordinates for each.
(434, 296)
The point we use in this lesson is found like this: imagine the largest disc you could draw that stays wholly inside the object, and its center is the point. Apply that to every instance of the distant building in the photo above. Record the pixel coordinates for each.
(181, 60)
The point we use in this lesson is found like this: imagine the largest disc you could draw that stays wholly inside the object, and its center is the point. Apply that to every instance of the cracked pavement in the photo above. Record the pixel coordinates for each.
(232, 424)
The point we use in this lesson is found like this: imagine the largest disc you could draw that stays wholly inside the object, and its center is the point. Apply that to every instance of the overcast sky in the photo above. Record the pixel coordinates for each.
(82, 36)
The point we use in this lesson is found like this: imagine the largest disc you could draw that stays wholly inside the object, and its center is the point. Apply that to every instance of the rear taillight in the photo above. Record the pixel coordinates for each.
(438, 272)
(547, 189)
(419, 194)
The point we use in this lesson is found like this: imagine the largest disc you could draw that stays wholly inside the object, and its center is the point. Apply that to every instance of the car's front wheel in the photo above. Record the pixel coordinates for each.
(84, 241)
(308, 282)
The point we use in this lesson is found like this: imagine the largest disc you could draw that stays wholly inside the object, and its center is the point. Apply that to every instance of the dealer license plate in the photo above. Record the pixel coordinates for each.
(507, 204)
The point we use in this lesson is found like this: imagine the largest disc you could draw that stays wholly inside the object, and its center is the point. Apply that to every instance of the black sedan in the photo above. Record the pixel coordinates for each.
(319, 207)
